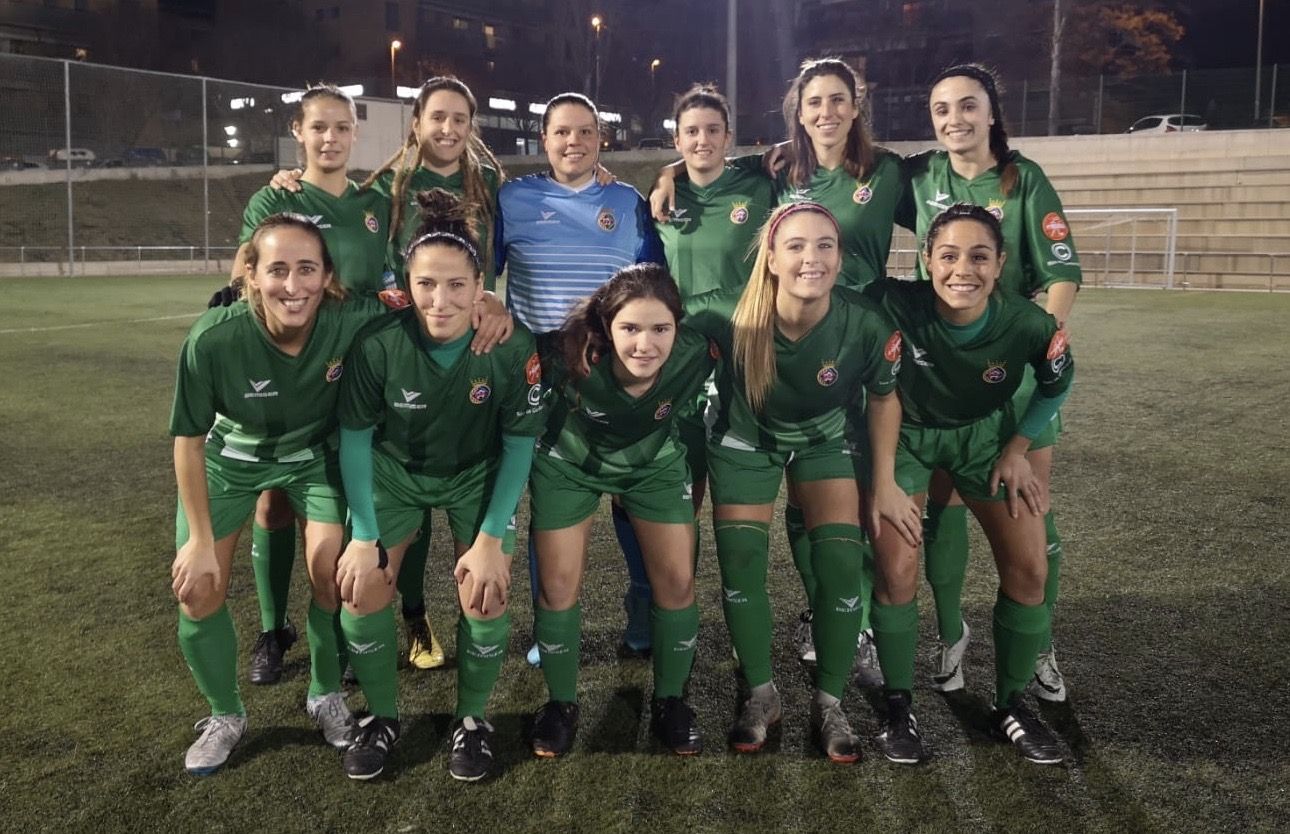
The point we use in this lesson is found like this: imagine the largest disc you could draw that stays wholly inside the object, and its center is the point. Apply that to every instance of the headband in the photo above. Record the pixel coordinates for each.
(449, 237)
(800, 206)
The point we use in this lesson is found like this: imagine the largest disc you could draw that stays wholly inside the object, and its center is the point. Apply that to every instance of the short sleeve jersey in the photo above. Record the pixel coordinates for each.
(945, 384)
(423, 179)
(710, 235)
(865, 208)
(434, 420)
(254, 402)
(852, 349)
(355, 226)
(559, 245)
(597, 426)
(1040, 248)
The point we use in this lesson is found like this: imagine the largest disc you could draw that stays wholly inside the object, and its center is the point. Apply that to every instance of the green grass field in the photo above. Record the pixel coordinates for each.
(1175, 613)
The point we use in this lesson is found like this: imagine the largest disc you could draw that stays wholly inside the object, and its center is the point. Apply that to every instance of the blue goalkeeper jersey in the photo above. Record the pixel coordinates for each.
(559, 245)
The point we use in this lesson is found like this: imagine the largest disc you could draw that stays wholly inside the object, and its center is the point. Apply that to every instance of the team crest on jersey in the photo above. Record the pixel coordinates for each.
(739, 213)
(1054, 226)
(606, 220)
(334, 369)
(664, 409)
(533, 370)
(480, 391)
(862, 194)
(995, 372)
(996, 208)
(828, 374)
(369, 220)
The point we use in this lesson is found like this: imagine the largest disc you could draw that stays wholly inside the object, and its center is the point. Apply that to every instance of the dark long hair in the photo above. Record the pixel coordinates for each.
(964, 211)
(584, 338)
(858, 157)
(984, 76)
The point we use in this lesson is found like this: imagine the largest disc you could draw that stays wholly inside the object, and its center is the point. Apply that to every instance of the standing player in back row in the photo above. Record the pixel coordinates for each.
(354, 223)
(560, 235)
(977, 166)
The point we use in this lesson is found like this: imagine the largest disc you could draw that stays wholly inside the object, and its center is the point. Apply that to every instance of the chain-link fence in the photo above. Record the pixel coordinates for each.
(1223, 99)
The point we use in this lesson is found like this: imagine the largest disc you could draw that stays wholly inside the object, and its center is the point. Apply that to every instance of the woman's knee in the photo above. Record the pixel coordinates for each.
(206, 598)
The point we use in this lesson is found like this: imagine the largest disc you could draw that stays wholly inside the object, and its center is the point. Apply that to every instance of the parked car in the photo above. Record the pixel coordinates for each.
(140, 157)
(1169, 123)
(651, 143)
(80, 157)
(13, 163)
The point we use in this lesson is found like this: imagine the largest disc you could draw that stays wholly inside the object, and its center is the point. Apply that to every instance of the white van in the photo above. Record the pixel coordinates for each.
(80, 157)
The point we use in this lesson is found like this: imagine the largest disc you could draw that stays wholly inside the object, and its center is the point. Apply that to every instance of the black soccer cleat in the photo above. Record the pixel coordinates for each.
(674, 725)
(365, 758)
(471, 758)
(266, 654)
(554, 726)
(900, 740)
(1017, 724)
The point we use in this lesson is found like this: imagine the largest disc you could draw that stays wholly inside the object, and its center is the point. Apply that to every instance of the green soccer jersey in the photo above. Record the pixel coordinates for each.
(865, 209)
(354, 225)
(435, 420)
(1038, 242)
(254, 402)
(423, 179)
(945, 382)
(852, 349)
(596, 425)
(710, 235)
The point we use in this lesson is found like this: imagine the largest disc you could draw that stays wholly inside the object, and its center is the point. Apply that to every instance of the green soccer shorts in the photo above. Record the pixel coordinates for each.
(740, 474)
(563, 495)
(967, 453)
(402, 497)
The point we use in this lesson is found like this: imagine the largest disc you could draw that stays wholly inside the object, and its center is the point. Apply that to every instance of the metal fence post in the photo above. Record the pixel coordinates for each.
(1025, 100)
(1097, 116)
(206, 182)
(67, 151)
(1182, 105)
(1172, 242)
(1272, 100)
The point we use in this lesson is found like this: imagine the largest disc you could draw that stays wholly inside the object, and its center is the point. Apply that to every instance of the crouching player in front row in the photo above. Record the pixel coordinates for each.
(254, 410)
(966, 351)
(617, 373)
(426, 423)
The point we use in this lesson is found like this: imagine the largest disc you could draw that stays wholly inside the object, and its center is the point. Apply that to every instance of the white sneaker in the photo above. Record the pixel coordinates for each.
(866, 670)
(948, 676)
(333, 718)
(219, 735)
(803, 639)
(1048, 683)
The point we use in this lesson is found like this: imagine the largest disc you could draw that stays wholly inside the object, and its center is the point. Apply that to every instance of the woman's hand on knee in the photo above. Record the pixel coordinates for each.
(1023, 486)
(888, 502)
(483, 575)
(195, 572)
(363, 575)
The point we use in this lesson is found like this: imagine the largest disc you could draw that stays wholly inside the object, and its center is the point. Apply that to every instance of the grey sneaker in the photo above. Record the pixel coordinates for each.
(219, 735)
(948, 676)
(759, 713)
(803, 639)
(866, 671)
(333, 718)
(1048, 683)
(833, 733)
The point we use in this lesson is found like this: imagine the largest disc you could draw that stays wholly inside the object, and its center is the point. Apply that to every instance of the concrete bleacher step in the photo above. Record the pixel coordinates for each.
(1181, 179)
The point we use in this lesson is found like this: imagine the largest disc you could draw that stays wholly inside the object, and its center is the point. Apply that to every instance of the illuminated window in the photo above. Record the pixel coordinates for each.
(460, 24)
(490, 36)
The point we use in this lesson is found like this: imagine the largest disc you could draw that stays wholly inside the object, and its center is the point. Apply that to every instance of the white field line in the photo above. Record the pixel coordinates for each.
(96, 324)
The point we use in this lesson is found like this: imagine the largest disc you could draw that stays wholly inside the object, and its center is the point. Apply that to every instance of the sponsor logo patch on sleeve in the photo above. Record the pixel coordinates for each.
(395, 299)
(1058, 344)
(533, 370)
(891, 351)
(1055, 227)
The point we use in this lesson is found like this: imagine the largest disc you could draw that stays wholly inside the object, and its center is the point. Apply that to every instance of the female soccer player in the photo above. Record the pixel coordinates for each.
(966, 350)
(617, 372)
(254, 409)
(354, 224)
(561, 234)
(427, 423)
(709, 237)
(797, 353)
(976, 166)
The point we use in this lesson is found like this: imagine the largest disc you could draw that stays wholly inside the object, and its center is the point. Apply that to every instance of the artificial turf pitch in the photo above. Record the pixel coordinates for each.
(1173, 624)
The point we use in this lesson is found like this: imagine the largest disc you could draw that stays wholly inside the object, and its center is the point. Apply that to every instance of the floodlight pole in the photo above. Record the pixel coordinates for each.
(1258, 65)
(732, 91)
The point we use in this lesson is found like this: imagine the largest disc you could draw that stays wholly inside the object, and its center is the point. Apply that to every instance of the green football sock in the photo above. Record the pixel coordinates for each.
(412, 573)
(342, 650)
(373, 652)
(324, 651)
(559, 639)
(1054, 573)
(869, 570)
(840, 593)
(799, 544)
(698, 544)
(273, 555)
(743, 555)
(481, 648)
(210, 647)
(895, 633)
(1019, 632)
(673, 634)
(945, 560)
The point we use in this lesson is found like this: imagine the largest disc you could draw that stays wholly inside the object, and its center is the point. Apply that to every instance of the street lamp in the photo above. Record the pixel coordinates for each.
(395, 46)
(596, 23)
(1258, 65)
